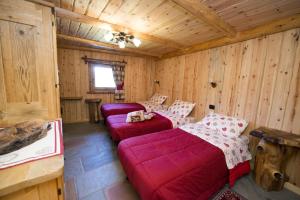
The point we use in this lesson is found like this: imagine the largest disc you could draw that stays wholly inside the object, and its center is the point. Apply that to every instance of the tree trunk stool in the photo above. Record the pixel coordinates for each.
(93, 109)
(272, 154)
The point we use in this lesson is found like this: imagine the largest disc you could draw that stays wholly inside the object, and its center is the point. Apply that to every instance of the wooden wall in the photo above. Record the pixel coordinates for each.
(258, 80)
(73, 73)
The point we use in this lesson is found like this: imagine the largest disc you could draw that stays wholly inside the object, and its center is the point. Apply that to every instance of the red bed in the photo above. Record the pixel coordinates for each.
(120, 129)
(119, 108)
(174, 164)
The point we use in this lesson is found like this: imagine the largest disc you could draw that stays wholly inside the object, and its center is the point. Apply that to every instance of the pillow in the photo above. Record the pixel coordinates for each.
(225, 124)
(158, 99)
(181, 108)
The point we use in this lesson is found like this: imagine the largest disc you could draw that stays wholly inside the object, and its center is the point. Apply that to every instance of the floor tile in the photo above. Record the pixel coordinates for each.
(98, 195)
(74, 142)
(83, 151)
(73, 168)
(92, 162)
(70, 189)
(99, 178)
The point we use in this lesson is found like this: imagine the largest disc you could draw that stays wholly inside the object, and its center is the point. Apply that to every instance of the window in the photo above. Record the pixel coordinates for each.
(101, 78)
(104, 77)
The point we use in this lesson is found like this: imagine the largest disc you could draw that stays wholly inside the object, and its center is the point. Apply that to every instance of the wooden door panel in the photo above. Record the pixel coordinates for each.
(19, 72)
(19, 62)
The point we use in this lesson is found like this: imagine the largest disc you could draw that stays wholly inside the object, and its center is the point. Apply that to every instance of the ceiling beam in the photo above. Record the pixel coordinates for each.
(259, 31)
(207, 15)
(81, 48)
(64, 13)
(105, 46)
(43, 3)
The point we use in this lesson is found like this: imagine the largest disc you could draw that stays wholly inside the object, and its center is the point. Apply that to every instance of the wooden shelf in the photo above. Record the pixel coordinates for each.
(277, 136)
(71, 98)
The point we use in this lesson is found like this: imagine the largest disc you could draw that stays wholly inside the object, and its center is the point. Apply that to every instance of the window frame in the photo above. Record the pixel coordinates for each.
(92, 88)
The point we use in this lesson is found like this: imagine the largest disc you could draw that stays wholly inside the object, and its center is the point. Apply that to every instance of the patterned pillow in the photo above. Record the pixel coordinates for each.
(225, 124)
(181, 108)
(158, 99)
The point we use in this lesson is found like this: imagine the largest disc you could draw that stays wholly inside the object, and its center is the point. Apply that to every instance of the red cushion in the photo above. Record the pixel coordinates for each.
(119, 108)
(173, 164)
(121, 130)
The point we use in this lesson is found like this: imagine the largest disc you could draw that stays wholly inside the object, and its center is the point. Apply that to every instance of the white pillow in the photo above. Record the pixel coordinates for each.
(181, 108)
(225, 124)
(158, 99)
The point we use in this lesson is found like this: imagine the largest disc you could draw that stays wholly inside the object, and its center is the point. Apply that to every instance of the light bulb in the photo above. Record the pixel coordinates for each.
(121, 44)
(137, 42)
(108, 37)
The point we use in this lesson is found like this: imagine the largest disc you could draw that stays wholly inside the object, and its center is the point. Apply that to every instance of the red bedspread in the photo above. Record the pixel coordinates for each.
(174, 164)
(121, 130)
(119, 108)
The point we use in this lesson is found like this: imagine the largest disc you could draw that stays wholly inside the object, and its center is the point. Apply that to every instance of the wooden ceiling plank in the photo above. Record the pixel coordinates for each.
(67, 4)
(96, 7)
(81, 6)
(106, 46)
(64, 13)
(91, 34)
(64, 25)
(267, 29)
(83, 30)
(111, 8)
(207, 15)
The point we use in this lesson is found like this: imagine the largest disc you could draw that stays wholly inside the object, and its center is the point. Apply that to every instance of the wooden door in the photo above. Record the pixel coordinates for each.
(28, 67)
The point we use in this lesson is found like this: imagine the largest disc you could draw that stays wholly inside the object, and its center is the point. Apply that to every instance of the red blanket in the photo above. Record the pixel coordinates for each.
(121, 130)
(119, 108)
(174, 164)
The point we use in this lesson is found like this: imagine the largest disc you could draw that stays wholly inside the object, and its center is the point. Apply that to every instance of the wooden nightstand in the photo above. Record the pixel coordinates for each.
(272, 154)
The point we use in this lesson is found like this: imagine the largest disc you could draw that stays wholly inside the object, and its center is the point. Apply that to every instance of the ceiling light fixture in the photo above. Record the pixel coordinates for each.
(122, 39)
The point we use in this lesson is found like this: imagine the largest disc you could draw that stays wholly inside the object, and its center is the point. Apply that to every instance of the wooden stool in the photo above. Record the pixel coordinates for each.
(93, 109)
(272, 154)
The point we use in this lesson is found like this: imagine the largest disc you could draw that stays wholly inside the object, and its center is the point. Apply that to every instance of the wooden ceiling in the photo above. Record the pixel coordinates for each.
(166, 27)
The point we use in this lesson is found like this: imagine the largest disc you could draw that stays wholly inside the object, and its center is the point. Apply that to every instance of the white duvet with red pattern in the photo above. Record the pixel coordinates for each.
(235, 148)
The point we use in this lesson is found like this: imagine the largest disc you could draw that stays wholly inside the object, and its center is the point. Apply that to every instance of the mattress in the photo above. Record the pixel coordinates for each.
(121, 130)
(119, 108)
(174, 164)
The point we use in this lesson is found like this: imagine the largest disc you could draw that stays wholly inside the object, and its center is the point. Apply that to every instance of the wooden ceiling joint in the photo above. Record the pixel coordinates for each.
(207, 15)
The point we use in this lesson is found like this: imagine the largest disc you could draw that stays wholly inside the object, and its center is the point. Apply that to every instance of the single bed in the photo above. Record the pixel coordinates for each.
(119, 108)
(154, 103)
(177, 164)
(176, 115)
(120, 129)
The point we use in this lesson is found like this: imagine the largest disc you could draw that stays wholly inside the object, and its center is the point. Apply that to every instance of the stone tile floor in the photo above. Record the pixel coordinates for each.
(91, 165)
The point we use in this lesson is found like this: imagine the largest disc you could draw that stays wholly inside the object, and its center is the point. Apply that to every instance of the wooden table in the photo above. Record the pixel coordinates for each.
(93, 109)
(272, 154)
(37, 180)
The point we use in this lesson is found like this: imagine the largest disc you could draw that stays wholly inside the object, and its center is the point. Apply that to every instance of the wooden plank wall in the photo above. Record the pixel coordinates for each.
(258, 80)
(73, 73)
